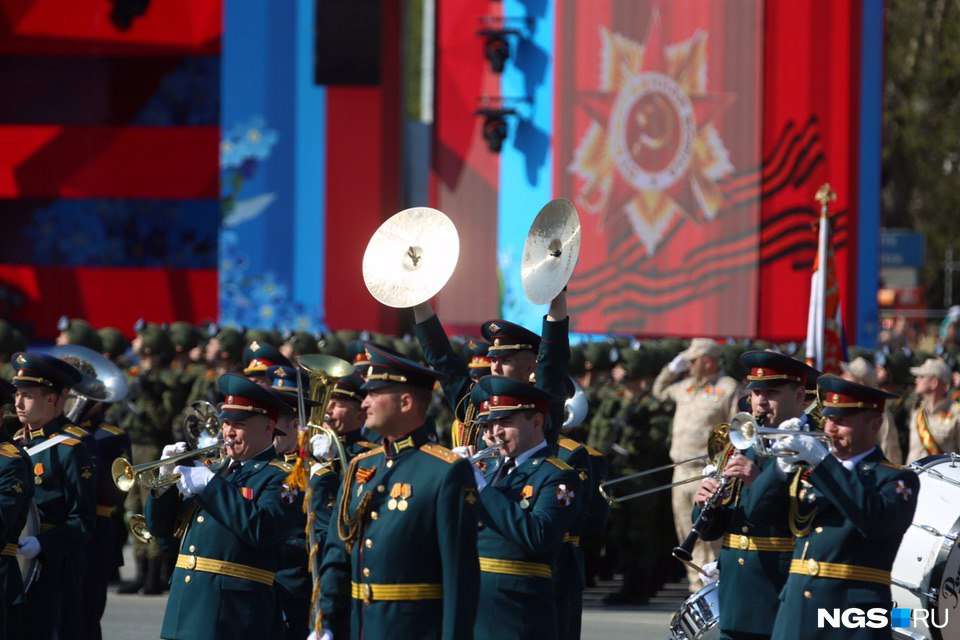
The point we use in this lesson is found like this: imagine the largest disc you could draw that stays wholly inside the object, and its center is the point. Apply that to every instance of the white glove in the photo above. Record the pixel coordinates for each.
(710, 573)
(709, 470)
(193, 480)
(785, 468)
(463, 452)
(326, 635)
(793, 424)
(808, 450)
(30, 547)
(168, 452)
(678, 365)
(321, 446)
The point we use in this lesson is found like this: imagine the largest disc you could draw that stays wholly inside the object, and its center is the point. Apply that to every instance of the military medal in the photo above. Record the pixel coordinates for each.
(405, 491)
(38, 473)
(394, 494)
(525, 494)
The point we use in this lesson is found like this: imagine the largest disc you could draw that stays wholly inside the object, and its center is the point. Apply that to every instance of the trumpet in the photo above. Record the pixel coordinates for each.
(147, 475)
(489, 452)
(746, 433)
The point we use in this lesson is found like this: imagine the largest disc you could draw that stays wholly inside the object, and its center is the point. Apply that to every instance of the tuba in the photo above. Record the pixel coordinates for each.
(102, 380)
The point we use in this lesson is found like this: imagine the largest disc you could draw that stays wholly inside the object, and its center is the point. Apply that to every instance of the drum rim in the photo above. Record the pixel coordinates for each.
(694, 597)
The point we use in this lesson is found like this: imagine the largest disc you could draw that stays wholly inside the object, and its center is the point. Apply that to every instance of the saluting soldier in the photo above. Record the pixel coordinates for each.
(848, 510)
(236, 521)
(16, 492)
(65, 484)
(704, 399)
(401, 554)
(755, 555)
(935, 420)
(527, 504)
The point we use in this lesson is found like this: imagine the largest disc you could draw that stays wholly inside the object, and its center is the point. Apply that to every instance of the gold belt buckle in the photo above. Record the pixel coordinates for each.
(813, 567)
(191, 562)
(744, 542)
(367, 594)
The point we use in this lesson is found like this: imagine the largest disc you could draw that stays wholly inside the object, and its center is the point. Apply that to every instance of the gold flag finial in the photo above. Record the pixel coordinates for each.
(824, 196)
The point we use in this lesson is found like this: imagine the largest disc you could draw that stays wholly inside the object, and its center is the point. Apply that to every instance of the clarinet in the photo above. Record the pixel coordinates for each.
(684, 552)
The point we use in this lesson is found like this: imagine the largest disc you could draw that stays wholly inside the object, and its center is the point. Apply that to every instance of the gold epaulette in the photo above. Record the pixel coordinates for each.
(558, 463)
(19, 434)
(891, 465)
(322, 471)
(369, 454)
(109, 428)
(280, 464)
(76, 432)
(70, 442)
(568, 443)
(592, 451)
(9, 450)
(440, 452)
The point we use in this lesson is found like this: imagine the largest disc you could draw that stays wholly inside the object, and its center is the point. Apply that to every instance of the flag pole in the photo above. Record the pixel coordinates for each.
(823, 196)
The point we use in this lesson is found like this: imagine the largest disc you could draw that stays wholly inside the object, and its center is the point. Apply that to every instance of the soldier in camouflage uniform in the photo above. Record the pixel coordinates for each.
(156, 400)
(222, 354)
(299, 343)
(78, 332)
(185, 338)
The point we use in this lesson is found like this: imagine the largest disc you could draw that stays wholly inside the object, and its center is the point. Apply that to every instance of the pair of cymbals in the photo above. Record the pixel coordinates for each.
(413, 254)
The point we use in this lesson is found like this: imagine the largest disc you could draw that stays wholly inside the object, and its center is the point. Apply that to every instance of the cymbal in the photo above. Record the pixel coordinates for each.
(330, 366)
(550, 252)
(410, 257)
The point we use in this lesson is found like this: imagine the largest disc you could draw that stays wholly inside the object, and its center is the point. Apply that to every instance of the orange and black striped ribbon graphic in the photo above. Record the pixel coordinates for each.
(923, 430)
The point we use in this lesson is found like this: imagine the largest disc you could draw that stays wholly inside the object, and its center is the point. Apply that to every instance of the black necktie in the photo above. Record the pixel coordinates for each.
(502, 471)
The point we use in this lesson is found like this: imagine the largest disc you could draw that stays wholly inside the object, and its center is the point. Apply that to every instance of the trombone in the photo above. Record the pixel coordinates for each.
(612, 499)
(746, 433)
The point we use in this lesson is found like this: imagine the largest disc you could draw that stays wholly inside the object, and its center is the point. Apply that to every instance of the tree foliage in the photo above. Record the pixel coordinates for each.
(921, 129)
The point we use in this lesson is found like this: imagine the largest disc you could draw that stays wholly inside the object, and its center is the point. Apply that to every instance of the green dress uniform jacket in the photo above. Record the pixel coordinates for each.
(856, 521)
(411, 570)
(525, 516)
(754, 559)
(223, 586)
(16, 492)
(65, 480)
(569, 570)
(293, 577)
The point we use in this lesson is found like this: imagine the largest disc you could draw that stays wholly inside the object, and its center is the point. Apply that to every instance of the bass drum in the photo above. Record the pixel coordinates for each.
(29, 568)
(698, 616)
(926, 571)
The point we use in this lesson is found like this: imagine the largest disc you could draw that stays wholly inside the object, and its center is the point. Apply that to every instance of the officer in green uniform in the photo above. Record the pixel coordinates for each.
(65, 483)
(16, 492)
(258, 357)
(755, 556)
(293, 578)
(346, 417)
(148, 419)
(527, 504)
(401, 554)
(235, 519)
(514, 352)
(848, 511)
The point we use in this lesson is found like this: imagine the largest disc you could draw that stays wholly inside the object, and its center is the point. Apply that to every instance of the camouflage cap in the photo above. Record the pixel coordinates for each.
(155, 341)
(115, 344)
(184, 336)
(79, 332)
(231, 343)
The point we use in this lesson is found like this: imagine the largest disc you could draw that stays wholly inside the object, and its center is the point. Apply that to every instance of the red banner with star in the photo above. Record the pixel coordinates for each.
(691, 137)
